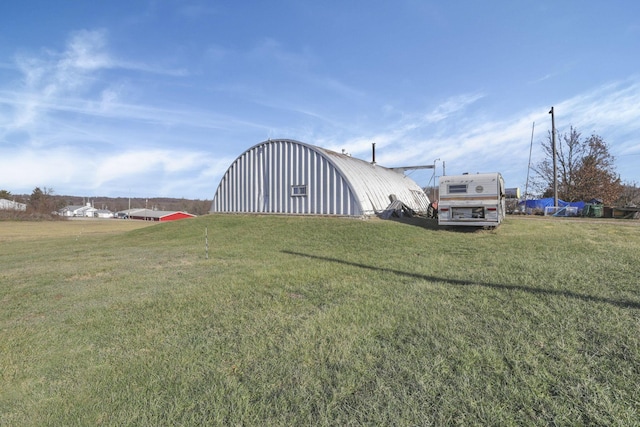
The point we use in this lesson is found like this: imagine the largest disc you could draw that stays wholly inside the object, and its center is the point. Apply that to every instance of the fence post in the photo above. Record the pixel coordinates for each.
(206, 242)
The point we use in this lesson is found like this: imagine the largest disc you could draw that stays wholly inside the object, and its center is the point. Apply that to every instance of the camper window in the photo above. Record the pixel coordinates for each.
(457, 188)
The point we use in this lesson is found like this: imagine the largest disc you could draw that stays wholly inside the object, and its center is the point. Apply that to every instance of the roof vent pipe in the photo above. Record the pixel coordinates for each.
(373, 153)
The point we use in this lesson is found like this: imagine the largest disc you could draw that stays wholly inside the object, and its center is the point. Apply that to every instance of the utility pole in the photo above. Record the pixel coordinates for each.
(555, 165)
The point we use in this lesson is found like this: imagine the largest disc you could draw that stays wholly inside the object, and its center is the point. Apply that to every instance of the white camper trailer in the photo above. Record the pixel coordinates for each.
(472, 200)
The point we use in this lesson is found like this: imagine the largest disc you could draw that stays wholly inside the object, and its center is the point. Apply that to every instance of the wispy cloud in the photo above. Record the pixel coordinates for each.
(543, 78)
(66, 81)
(452, 106)
(130, 163)
(604, 108)
(411, 136)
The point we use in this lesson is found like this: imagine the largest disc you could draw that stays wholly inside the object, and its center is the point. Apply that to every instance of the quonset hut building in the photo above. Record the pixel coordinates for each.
(290, 177)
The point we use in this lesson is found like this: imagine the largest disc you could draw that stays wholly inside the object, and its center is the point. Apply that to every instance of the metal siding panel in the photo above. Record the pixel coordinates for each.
(275, 196)
(323, 183)
(285, 178)
(236, 183)
(282, 167)
(259, 179)
(237, 190)
(230, 192)
(246, 178)
(273, 193)
(334, 190)
(286, 161)
(299, 178)
(243, 182)
(248, 174)
(251, 173)
(219, 197)
(289, 166)
(238, 199)
(309, 160)
(277, 179)
(257, 191)
(330, 179)
(302, 172)
(278, 174)
(272, 177)
(295, 172)
(291, 201)
(225, 199)
(313, 184)
(233, 206)
(227, 203)
(307, 179)
(319, 183)
(220, 194)
(328, 189)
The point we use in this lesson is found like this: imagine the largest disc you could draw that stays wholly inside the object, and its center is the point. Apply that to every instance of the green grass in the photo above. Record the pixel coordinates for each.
(319, 321)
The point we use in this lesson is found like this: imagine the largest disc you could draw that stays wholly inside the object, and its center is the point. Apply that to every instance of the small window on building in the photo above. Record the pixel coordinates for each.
(298, 190)
(457, 188)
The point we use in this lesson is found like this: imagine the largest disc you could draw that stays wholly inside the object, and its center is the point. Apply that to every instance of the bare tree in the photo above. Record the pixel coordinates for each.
(585, 169)
(41, 201)
(630, 195)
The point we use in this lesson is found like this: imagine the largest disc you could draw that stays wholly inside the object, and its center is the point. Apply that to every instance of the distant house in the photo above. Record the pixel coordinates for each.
(103, 213)
(151, 215)
(10, 205)
(76, 211)
(85, 211)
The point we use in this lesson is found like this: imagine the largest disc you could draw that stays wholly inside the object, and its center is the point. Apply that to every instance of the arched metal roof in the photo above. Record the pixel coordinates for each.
(288, 176)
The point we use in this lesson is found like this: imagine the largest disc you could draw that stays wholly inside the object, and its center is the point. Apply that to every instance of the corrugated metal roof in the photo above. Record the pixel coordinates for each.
(261, 180)
(374, 184)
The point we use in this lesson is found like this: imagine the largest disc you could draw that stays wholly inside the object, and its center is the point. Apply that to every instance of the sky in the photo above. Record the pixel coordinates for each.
(157, 98)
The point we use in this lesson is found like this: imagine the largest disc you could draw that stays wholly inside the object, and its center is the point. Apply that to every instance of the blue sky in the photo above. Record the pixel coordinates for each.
(158, 98)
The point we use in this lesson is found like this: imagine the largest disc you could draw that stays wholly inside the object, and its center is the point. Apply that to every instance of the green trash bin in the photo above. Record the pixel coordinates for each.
(596, 211)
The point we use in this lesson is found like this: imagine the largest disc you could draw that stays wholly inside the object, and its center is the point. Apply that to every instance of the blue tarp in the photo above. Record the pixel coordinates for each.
(543, 203)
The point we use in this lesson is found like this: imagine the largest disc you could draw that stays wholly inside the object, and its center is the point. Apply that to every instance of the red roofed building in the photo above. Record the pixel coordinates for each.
(151, 215)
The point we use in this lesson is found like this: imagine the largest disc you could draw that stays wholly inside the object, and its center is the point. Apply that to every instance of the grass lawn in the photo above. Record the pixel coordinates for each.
(319, 321)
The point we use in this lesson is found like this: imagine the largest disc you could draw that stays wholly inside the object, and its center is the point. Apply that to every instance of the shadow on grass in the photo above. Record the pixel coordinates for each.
(457, 282)
(432, 224)
(427, 223)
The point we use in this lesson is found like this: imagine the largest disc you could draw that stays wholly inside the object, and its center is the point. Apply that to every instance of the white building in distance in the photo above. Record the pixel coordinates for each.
(11, 205)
